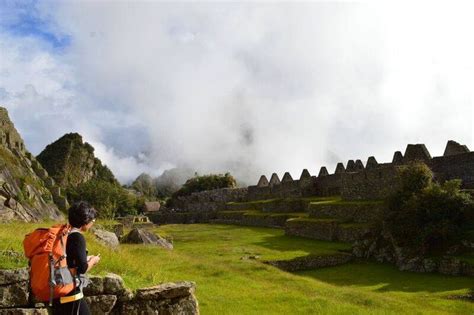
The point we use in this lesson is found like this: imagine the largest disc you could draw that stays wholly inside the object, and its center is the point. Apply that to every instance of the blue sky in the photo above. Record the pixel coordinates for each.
(22, 19)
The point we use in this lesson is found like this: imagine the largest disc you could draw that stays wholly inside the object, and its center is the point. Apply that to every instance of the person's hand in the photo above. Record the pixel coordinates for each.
(94, 259)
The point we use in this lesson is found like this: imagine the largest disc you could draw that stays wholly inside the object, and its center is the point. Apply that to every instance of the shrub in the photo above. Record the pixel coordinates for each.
(426, 216)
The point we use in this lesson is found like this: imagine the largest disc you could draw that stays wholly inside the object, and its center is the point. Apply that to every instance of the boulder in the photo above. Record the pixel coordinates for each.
(107, 238)
(140, 236)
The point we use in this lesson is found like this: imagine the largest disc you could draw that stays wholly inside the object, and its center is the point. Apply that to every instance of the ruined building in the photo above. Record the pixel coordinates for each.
(372, 181)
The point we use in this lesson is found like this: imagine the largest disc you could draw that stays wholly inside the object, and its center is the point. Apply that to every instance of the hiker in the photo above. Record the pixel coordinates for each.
(81, 218)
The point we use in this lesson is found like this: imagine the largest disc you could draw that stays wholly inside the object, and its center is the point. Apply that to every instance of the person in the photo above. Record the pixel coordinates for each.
(81, 217)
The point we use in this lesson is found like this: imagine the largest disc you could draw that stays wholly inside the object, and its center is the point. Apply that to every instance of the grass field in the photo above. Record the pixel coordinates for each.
(211, 256)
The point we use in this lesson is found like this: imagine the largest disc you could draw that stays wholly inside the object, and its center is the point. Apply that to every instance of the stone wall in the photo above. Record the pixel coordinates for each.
(354, 182)
(209, 200)
(382, 249)
(455, 166)
(370, 184)
(272, 205)
(347, 211)
(326, 229)
(288, 189)
(105, 295)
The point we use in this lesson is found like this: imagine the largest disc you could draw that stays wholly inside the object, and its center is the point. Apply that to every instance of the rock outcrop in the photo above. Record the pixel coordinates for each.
(141, 236)
(105, 295)
(107, 238)
(26, 190)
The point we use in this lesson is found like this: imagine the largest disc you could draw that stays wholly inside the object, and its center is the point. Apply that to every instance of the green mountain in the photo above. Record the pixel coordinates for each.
(70, 162)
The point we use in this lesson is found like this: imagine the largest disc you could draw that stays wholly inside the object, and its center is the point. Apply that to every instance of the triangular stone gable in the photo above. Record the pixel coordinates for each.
(305, 174)
(453, 148)
(371, 163)
(287, 178)
(359, 166)
(340, 168)
(323, 171)
(263, 181)
(416, 152)
(397, 158)
(350, 166)
(274, 180)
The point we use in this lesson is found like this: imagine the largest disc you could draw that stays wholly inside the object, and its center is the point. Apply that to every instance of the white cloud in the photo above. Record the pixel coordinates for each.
(253, 88)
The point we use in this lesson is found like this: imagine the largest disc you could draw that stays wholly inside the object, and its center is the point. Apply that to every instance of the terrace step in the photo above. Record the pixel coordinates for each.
(326, 229)
(353, 211)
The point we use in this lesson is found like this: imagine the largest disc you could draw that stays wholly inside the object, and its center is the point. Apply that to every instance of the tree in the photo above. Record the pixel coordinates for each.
(109, 199)
(427, 216)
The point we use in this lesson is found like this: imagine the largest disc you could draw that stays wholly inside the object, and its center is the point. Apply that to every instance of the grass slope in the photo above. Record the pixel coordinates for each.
(211, 255)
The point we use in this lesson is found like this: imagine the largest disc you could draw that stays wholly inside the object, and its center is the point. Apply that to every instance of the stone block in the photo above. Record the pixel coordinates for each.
(14, 295)
(95, 286)
(113, 284)
(10, 276)
(101, 304)
(24, 311)
(166, 291)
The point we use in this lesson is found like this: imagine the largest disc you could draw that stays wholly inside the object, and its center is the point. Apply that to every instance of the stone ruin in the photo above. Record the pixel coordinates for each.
(375, 180)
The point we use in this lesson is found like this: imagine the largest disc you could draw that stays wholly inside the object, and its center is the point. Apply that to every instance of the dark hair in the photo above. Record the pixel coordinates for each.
(81, 213)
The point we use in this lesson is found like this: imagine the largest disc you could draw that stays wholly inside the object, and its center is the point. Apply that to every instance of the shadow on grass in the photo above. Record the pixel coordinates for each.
(285, 243)
(384, 277)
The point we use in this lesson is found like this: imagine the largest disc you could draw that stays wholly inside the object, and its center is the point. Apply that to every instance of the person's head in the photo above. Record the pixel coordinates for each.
(81, 215)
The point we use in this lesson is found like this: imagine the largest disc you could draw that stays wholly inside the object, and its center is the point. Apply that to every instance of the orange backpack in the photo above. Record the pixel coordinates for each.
(50, 277)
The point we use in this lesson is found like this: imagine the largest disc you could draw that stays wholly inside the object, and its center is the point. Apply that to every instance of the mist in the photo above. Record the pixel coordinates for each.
(247, 88)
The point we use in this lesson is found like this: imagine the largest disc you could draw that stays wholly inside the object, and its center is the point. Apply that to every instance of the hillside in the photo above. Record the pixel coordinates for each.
(70, 162)
(26, 190)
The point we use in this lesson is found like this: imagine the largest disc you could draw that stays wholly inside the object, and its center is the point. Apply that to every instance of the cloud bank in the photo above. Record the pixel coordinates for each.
(247, 88)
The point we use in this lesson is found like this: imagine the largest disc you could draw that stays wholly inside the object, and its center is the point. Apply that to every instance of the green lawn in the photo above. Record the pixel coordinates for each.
(211, 256)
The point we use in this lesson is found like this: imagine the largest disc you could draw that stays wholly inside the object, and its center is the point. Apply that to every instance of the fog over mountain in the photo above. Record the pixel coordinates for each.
(250, 88)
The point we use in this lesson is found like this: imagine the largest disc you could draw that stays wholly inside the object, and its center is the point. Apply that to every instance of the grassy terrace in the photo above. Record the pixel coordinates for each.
(306, 199)
(266, 214)
(211, 256)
